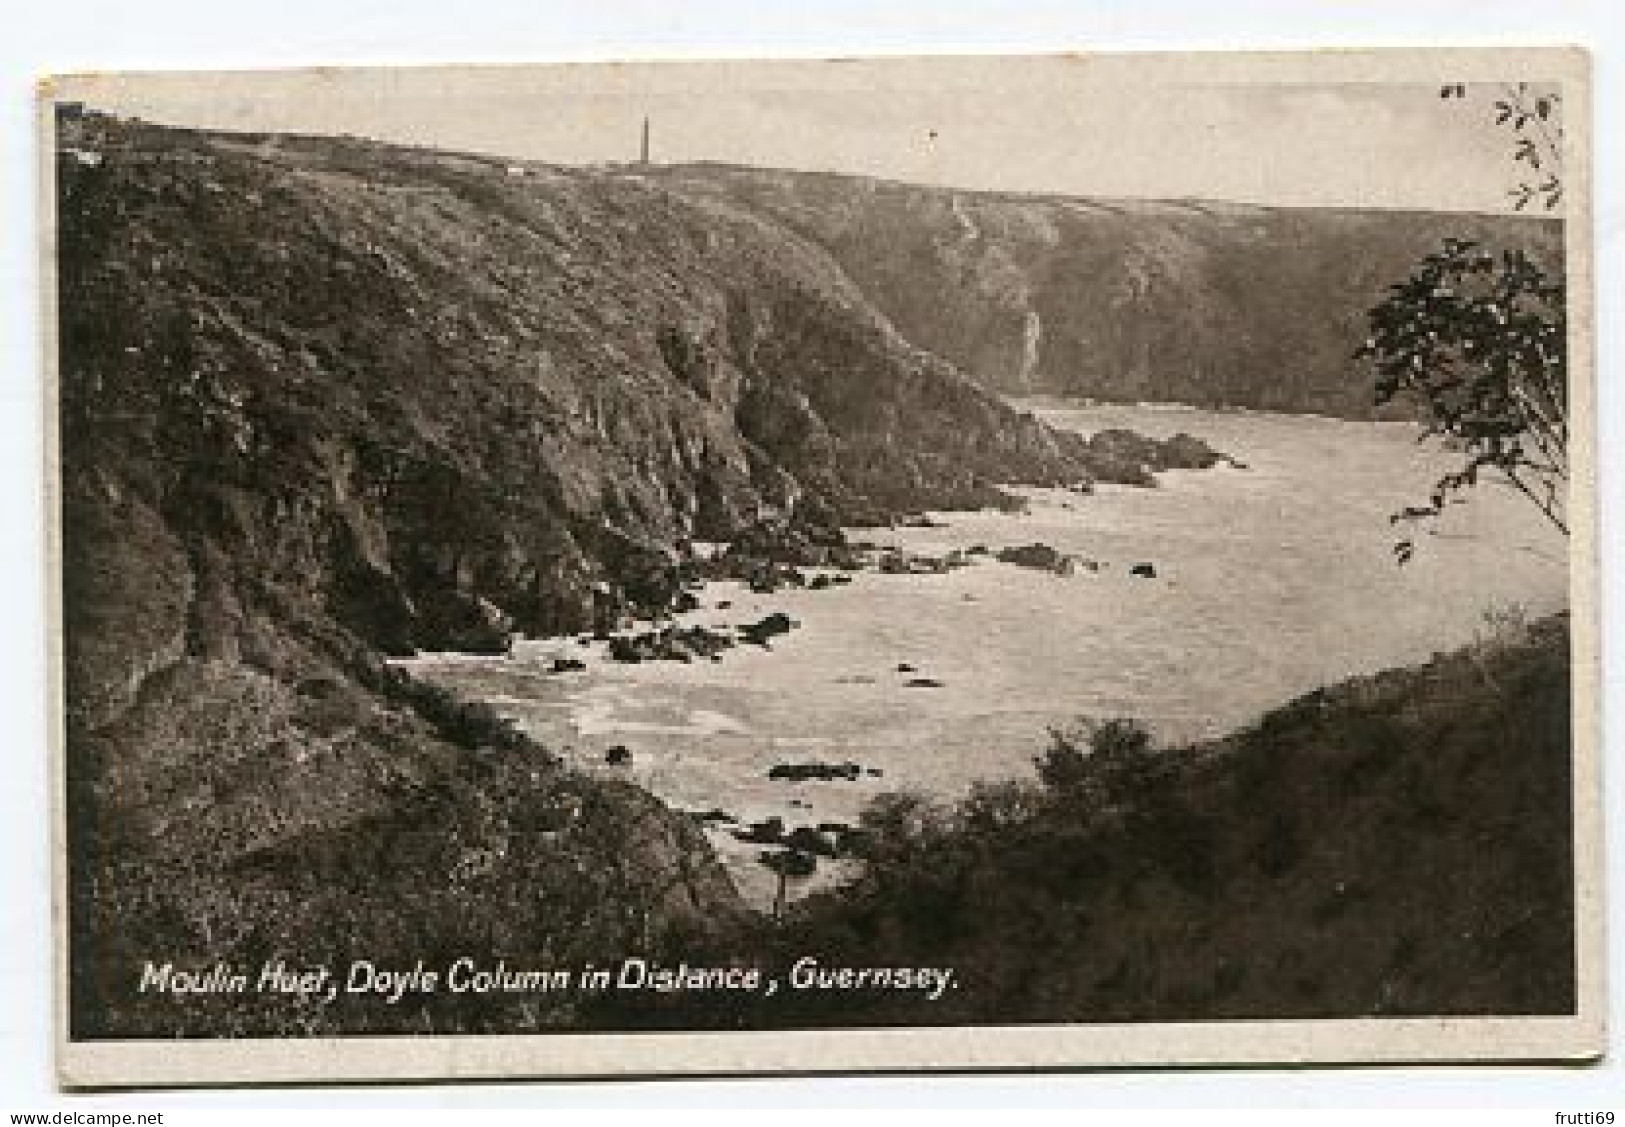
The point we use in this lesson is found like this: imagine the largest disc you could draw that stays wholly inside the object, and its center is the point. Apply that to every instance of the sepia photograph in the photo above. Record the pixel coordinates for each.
(730, 566)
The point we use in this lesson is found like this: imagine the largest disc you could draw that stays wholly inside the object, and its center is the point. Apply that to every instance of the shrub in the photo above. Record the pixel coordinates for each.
(1117, 750)
(470, 724)
(1502, 625)
(896, 826)
(994, 807)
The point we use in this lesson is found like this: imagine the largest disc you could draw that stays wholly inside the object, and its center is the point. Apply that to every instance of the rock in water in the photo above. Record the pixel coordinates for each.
(1040, 557)
(761, 632)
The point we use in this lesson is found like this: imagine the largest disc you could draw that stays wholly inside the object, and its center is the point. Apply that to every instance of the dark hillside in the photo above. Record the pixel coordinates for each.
(323, 399)
(438, 392)
(1125, 300)
(1395, 845)
(1398, 845)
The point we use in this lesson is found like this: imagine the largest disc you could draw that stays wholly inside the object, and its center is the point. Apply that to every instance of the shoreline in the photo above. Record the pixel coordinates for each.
(1264, 589)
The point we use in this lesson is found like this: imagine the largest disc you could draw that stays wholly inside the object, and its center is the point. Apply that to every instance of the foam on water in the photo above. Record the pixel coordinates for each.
(1271, 581)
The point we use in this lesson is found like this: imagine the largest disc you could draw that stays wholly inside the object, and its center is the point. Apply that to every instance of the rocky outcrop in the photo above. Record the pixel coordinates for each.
(1039, 557)
(764, 630)
(671, 643)
(1136, 458)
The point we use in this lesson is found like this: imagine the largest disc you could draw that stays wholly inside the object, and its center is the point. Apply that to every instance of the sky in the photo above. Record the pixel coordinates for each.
(1071, 125)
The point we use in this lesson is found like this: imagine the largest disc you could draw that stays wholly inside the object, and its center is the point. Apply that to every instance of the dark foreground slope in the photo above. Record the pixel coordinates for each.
(1397, 845)
(1186, 302)
(322, 400)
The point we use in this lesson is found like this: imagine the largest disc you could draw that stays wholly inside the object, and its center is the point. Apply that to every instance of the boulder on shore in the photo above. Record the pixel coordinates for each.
(809, 840)
(1040, 557)
(764, 630)
(712, 816)
(674, 643)
(815, 771)
(769, 831)
(792, 863)
(1187, 452)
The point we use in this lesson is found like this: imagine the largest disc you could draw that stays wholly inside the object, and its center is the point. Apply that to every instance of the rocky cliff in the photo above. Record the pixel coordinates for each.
(323, 400)
(441, 395)
(1123, 300)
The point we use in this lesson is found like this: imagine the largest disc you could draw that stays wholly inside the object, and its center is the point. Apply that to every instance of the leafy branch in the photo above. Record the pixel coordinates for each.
(1479, 339)
(1536, 120)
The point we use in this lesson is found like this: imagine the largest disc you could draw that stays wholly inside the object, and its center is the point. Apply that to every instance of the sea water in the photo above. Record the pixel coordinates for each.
(1271, 579)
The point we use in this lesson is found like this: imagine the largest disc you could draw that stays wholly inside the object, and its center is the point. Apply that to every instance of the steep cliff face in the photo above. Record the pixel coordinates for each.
(323, 400)
(1189, 302)
(441, 396)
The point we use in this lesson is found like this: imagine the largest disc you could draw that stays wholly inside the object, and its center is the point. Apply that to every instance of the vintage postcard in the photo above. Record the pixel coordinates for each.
(719, 567)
